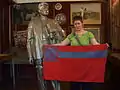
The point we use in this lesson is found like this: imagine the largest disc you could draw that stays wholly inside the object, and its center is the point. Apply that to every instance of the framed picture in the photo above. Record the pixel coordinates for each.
(94, 30)
(23, 13)
(90, 12)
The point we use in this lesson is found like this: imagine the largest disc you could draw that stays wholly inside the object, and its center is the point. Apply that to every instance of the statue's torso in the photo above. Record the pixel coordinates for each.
(45, 30)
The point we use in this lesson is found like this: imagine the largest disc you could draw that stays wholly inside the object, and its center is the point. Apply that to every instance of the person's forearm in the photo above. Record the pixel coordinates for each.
(96, 43)
(58, 44)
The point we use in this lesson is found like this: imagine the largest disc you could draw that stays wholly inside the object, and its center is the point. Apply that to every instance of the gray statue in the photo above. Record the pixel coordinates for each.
(42, 30)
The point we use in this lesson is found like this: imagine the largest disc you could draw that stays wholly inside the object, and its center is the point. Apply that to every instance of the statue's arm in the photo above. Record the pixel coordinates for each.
(30, 41)
(61, 33)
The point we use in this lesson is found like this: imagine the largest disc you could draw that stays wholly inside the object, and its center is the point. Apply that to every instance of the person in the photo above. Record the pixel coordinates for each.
(82, 38)
(85, 37)
(42, 30)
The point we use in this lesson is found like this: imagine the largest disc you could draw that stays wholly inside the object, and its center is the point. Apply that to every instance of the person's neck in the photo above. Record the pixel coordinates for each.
(80, 31)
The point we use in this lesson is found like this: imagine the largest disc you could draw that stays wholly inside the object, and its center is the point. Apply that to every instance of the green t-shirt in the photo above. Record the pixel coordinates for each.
(84, 39)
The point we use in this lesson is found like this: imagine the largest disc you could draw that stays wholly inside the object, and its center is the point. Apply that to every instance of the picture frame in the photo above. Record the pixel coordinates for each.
(23, 13)
(90, 12)
(94, 30)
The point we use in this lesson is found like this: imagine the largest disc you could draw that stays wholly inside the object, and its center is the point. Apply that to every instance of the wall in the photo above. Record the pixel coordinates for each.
(67, 26)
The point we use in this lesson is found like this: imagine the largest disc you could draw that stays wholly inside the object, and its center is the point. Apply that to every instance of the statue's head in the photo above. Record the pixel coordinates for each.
(43, 8)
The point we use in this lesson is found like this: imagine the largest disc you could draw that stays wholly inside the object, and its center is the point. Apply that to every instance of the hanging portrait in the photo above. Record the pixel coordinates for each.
(90, 12)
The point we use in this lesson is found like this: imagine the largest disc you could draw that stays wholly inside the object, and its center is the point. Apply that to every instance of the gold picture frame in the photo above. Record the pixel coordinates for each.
(91, 12)
(95, 31)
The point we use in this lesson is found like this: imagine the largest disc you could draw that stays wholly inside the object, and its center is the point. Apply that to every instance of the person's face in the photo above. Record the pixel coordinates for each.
(78, 25)
(43, 9)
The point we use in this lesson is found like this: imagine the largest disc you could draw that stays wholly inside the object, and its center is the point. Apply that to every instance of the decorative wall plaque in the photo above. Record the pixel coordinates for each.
(60, 18)
(58, 6)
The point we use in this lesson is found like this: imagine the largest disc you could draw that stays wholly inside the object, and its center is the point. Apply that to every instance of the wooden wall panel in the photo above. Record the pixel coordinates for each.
(5, 32)
(4, 26)
(65, 10)
(1, 29)
(105, 23)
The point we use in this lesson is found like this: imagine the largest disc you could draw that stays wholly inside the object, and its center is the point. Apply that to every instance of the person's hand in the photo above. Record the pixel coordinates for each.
(107, 45)
(31, 60)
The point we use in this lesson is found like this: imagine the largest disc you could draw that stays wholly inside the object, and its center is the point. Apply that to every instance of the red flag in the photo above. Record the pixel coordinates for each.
(75, 63)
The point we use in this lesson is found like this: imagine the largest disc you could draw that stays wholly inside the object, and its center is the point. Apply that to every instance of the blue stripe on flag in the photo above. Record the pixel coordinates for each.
(94, 54)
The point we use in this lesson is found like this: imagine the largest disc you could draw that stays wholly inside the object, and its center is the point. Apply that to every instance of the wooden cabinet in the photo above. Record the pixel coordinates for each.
(4, 31)
(115, 25)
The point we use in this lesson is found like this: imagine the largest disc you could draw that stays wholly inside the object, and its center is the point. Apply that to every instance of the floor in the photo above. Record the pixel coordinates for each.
(27, 84)
(20, 85)
(26, 79)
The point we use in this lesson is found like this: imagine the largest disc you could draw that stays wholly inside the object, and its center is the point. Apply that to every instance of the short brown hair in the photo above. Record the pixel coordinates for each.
(77, 18)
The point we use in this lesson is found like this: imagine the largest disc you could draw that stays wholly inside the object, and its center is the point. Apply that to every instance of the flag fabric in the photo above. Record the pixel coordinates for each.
(75, 63)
